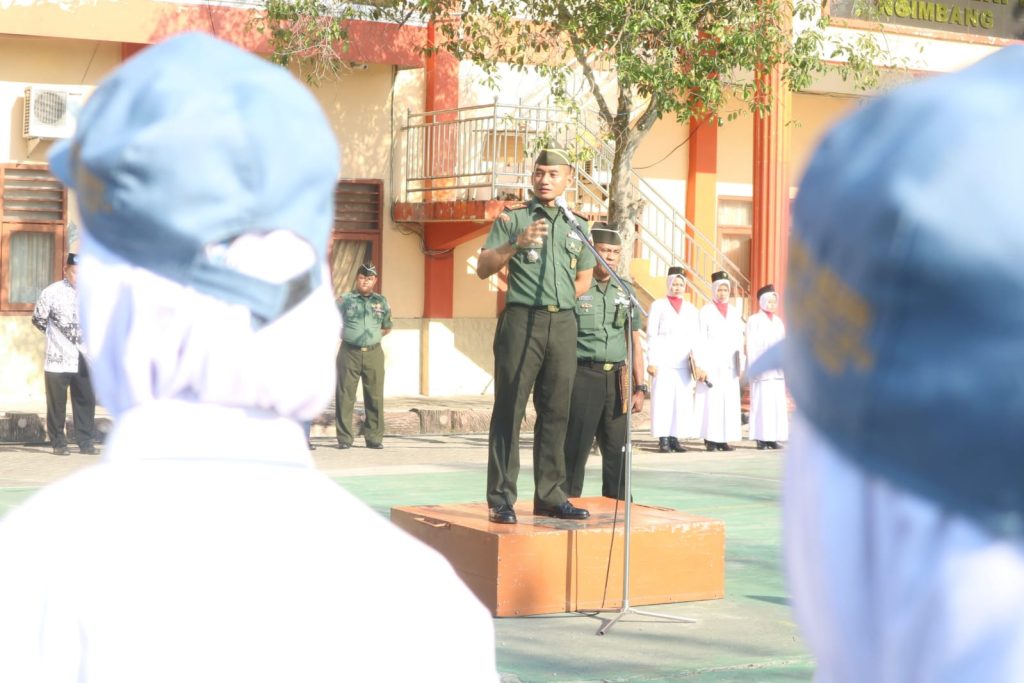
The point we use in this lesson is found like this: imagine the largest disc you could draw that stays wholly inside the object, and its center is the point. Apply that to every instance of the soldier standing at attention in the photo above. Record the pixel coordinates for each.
(597, 407)
(366, 318)
(535, 339)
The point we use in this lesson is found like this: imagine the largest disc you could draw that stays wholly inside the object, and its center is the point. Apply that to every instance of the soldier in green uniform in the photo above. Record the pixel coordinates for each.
(597, 392)
(535, 339)
(366, 318)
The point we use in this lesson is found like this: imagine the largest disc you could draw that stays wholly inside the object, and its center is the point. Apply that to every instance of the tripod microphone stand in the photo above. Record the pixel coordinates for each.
(625, 608)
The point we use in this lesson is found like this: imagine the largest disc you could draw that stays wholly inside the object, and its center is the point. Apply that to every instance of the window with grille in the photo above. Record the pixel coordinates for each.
(33, 213)
(358, 223)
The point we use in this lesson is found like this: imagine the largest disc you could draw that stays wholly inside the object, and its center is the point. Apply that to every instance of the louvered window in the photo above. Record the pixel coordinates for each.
(358, 223)
(33, 213)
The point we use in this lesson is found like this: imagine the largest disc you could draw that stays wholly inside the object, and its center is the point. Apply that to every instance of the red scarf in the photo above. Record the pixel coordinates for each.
(723, 308)
(769, 314)
(676, 301)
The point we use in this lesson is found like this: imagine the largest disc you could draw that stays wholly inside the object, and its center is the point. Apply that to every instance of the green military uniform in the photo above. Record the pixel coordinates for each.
(535, 342)
(596, 407)
(360, 357)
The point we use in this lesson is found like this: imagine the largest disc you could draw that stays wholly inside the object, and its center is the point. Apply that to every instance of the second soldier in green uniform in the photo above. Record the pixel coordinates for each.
(597, 392)
(535, 340)
(366, 318)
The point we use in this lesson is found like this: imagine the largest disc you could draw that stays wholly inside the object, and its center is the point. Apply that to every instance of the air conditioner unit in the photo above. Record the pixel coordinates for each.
(52, 110)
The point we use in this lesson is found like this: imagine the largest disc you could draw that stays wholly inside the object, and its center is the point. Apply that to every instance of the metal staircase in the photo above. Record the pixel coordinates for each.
(485, 152)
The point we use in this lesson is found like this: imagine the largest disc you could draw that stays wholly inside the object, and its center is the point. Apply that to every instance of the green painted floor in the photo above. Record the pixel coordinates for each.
(748, 636)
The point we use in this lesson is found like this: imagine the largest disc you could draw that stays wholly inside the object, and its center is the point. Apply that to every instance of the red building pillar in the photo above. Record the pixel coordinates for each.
(701, 182)
(768, 248)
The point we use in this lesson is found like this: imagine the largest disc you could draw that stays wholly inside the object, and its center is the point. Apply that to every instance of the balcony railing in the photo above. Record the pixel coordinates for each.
(486, 152)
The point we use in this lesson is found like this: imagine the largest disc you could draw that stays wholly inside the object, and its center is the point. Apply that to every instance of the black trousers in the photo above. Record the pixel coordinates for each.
(534, 350)
(596, 411)
(83, 406)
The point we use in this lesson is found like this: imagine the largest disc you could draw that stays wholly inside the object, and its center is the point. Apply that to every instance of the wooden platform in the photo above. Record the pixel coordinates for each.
(543, 565)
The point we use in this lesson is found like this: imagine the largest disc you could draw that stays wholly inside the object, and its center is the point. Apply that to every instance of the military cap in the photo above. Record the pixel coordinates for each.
(720, 276)
(602, 234)
(676, 270)
(72, 259)
(767, 289)
(368, 270)
(553, 157)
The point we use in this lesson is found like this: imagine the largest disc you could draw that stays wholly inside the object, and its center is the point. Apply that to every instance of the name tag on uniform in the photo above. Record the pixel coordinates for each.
(587, 297)
(574, 236)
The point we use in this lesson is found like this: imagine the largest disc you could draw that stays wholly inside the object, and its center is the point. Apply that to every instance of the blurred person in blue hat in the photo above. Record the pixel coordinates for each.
(720, 355)
(65, 367)
(769, 407)
(206, 547)
(904, 484)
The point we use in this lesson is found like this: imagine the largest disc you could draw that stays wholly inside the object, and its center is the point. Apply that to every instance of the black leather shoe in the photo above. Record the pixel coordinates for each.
(663, 446)
(774, 445)
(503, 514)
(87, 450)
(565, 510)
(343, 446)
(674, 444)
(60, 450)
(761, 445)
(375, 446)
(710, 445)
(725, 447)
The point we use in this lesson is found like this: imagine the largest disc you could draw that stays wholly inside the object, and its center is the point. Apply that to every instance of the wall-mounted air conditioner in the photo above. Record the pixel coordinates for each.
(52, 110)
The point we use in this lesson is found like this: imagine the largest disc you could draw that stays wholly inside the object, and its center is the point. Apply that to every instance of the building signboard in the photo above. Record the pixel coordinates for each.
(983, 18)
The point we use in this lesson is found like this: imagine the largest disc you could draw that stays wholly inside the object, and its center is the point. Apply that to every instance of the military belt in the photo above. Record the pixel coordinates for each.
(550, 308)
(356, 347)
(600, 364)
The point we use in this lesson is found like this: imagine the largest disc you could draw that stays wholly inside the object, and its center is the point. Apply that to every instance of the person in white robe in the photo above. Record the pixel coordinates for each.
(769, 416)
(206, 547)
(722, 357)
(672, 333)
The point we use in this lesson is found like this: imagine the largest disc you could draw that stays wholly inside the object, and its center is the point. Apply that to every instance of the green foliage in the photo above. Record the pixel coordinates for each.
(639, 59)
(310, 34)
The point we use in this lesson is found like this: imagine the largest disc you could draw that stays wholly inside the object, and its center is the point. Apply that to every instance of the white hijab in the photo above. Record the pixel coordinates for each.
(151, 339)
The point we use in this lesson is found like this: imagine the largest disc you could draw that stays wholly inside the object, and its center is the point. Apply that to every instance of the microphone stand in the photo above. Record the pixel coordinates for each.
(625, 608)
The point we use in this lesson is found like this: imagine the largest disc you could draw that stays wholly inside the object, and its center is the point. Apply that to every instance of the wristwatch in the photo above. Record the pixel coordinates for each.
(641, 387)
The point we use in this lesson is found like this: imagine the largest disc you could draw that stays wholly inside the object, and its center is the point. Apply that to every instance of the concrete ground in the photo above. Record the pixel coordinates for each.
(747, 636)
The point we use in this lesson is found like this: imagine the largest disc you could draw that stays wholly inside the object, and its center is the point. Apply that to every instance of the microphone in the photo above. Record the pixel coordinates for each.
(569, 215)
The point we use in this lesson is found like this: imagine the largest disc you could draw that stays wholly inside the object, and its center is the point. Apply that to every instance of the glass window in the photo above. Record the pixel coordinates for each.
(31, 265)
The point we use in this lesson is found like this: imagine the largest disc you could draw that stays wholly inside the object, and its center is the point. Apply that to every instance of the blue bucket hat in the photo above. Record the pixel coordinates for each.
(905, 293)
(192, 143)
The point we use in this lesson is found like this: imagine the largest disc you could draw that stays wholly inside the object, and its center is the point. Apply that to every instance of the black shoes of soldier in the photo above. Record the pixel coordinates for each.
(717, 446)
(344, 446)
(564, 510)
(663, 446)
(503, 514)
(374, 446)
(60, 450)
(762, 445)
(88, 450)
(674, 444)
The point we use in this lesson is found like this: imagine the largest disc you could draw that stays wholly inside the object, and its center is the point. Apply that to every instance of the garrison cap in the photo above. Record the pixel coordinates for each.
(767, 289)
(676, 270)
(720, 276)
(368, 270)
(602, 234)
(552, 157)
